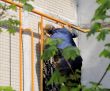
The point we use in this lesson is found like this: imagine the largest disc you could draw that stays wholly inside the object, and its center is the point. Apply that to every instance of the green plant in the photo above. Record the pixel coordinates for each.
(6, 88)
(11, 24)
(100, 26)
(68, 53)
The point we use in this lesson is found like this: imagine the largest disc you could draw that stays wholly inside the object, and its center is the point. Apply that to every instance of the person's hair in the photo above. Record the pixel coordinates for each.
(48, 28)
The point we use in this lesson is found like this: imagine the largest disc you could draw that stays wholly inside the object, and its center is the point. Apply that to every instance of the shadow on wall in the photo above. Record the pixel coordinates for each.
(37, 66)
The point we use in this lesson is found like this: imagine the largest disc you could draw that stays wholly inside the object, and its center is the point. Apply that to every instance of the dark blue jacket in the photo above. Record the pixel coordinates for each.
(67, 37)
(64, 34)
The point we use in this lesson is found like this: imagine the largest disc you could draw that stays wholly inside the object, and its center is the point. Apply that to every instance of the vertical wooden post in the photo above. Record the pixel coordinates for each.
(41, 52)
(20, 50)
(32, 61)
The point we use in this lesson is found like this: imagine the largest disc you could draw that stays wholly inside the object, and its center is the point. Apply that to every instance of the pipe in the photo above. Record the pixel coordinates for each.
(32, 61)
(20, 49)
(47, 16)
(41, 52)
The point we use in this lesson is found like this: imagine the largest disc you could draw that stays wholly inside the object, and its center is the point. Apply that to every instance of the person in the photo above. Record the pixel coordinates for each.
(67, 37)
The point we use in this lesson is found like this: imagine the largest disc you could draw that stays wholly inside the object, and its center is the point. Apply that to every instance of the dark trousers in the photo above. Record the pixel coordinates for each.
(72, 67)
(65, 70)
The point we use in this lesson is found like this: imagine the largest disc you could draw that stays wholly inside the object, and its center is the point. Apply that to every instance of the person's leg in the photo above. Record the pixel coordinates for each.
(76, 66)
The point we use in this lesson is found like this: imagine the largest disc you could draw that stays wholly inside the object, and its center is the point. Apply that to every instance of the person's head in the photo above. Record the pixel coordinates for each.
(48, 28)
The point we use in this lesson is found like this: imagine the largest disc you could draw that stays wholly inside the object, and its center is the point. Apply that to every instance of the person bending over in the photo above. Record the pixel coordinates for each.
(67, 37)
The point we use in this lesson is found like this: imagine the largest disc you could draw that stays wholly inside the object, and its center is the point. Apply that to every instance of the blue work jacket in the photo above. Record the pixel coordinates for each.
(65, 35)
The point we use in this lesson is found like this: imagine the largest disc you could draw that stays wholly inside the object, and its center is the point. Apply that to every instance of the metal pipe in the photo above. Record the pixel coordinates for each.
(47, 16)
(41, 52)
(32, 61)
(20, 49)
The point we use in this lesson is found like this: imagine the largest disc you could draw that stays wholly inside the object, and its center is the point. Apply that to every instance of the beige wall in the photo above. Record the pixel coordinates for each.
(66, 8)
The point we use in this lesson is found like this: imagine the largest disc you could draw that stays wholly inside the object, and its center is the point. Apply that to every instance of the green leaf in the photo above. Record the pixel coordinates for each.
(70, 52)
(64, 88)
(11, 30)
(100, 13)
(108, 68)
(105, 53)
(62, 79)
(75, 89)
(94, 28)
(102, 34)
(1, 5)
(23, 1)
(50, 42)
(11, 25)
(107, 45)
(49, 52)
(93, 83)
(56, 78)
(6, 88)
(59, 40)
(0, 30)
(100, 1)
(28, 7)
(104, 89)
(53, 42)
(13, 22)
(13, 7)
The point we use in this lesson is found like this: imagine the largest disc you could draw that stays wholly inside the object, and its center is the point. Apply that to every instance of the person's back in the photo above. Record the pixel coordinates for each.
(65, 35)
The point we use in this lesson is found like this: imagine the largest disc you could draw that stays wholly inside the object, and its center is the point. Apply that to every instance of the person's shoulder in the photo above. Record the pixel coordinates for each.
(63, 29)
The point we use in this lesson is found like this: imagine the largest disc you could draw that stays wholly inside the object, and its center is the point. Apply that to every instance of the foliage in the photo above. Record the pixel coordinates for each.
(57, 78)
(11, 23)
(101, 12)
(6, 88)
(50, 48)
(99, 18)
(49, 52)
(28, 7)
(70, 52)
(100, 26)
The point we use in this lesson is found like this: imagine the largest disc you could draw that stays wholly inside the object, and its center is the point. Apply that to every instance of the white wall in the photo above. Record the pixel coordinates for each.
(93, 66)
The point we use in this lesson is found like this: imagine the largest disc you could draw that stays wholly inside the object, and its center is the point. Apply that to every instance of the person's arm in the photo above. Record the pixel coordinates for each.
(72, 31)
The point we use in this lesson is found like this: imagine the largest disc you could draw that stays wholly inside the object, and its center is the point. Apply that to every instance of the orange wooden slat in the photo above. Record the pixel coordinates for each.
(20, 49)
(32, 61)
(41, 52)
